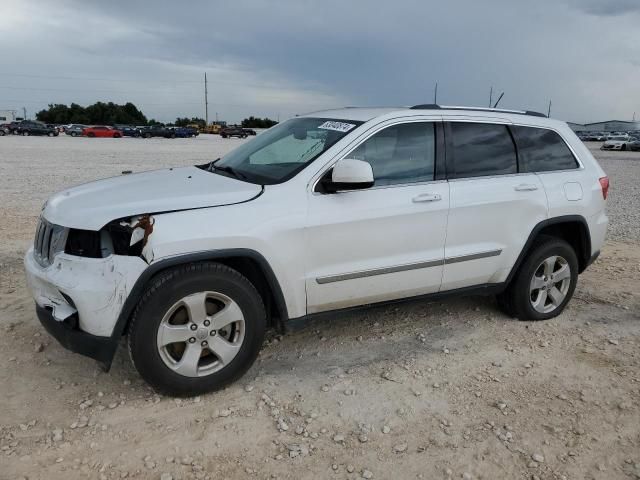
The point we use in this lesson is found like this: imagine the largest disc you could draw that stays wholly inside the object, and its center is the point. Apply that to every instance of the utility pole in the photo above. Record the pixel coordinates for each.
(435, 94)
(490, 96)
(24, 113)
(206, 101)
(634, 116)
(549, 110)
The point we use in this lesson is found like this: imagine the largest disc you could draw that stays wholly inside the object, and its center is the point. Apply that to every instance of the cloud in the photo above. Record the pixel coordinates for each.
(608, 7)
(286, 57)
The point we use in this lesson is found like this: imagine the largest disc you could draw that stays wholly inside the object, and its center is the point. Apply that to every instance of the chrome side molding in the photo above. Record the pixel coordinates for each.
(405, 267)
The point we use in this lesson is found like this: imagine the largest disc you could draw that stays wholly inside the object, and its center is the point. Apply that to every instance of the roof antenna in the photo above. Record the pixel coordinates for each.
(498, 101)
(549, 110)
(435, 94)
(490, 96)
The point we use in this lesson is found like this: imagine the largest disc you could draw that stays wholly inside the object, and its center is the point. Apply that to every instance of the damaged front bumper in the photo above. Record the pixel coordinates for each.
(79, 300)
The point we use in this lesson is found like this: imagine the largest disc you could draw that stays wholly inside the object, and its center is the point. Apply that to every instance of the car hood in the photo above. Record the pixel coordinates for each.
(93, 205)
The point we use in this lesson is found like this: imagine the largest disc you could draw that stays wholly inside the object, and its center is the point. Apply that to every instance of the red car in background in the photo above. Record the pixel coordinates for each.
(100, 131)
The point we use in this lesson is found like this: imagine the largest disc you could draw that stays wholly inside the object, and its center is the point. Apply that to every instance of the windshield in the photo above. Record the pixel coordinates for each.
(282, 151)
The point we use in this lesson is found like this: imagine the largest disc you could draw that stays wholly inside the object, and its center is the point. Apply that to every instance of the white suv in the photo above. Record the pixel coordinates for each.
(324, 212)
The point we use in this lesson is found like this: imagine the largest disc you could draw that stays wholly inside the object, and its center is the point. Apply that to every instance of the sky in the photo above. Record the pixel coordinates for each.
(278, 58)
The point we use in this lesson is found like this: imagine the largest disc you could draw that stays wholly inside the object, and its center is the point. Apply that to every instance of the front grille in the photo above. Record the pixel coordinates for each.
(50, 240)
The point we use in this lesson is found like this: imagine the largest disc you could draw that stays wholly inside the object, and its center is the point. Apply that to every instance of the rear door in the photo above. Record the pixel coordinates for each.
(494, 205)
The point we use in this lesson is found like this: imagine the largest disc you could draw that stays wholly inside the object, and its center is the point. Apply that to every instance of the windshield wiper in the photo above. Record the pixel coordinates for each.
(227, 169)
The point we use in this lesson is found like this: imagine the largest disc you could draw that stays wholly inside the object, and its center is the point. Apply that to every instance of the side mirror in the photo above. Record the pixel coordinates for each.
(350, 174)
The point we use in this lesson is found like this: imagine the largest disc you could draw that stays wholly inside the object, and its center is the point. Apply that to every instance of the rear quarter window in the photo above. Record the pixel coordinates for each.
(542, 150)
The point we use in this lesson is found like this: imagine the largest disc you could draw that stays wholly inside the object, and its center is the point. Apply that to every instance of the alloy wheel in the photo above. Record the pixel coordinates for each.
(201, 334)
(550, 284)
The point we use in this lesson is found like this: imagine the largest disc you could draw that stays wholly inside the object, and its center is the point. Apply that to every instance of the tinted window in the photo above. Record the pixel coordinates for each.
(481, 149)
(400, 154)
(542, 150)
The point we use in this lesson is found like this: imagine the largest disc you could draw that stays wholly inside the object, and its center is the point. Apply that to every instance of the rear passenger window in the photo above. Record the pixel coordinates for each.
(542, 150)
(481, 149)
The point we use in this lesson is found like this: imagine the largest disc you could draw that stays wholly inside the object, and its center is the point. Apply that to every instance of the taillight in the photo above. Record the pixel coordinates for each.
(604, 183)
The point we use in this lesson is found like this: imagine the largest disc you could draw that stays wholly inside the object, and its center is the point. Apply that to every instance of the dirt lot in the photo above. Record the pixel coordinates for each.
(425, 390)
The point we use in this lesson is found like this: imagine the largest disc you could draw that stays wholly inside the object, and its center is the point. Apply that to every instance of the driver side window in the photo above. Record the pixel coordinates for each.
(400, 154)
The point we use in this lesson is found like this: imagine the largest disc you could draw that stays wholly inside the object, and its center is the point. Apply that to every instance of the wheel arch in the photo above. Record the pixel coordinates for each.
(248, 262)
(574, 229)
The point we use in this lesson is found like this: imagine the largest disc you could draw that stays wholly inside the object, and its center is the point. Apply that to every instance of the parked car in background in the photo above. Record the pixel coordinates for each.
(599, 137)
(101, 131)
(183, 132)
(618, 142)
(5, 128)
(617, 136)
(249, 131)
(74, 130)
(129, 130)
(157, 131)
(634, 145)
(29, 127)
(233, 132)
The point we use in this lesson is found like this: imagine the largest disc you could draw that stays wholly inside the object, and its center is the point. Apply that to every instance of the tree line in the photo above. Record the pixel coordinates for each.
(99, 113)
(109, 113)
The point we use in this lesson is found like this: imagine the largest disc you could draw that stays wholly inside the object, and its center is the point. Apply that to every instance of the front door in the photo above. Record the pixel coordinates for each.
(385, 242)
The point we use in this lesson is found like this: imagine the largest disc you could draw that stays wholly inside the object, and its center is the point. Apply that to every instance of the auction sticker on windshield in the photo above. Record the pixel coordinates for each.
(337, 126)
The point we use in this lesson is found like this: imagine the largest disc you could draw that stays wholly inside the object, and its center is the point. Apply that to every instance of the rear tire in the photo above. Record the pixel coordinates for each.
(544, 283)
(74, 134)
(172, 341)
(25, 134)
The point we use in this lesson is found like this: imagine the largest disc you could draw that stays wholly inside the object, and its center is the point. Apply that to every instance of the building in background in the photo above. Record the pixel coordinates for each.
(607, 126)
(7, 116)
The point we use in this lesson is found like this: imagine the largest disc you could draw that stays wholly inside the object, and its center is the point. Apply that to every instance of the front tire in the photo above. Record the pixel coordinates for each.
(197, 328)
(544, 283)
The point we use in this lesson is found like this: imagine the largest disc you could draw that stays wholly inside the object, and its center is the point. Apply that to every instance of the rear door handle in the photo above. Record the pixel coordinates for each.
(427, 197)
(525, 187)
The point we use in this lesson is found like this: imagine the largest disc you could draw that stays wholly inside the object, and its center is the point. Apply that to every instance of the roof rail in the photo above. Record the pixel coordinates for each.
(433, 106)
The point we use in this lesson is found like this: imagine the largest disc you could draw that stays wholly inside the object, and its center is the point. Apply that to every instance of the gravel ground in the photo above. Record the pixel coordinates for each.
(443, 390)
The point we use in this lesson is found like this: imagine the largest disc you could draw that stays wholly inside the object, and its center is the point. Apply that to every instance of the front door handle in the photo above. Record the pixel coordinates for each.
(525, 187)
(427, 197)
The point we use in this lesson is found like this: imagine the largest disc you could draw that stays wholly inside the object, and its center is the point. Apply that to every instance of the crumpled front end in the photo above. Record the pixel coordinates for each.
(93, 290)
